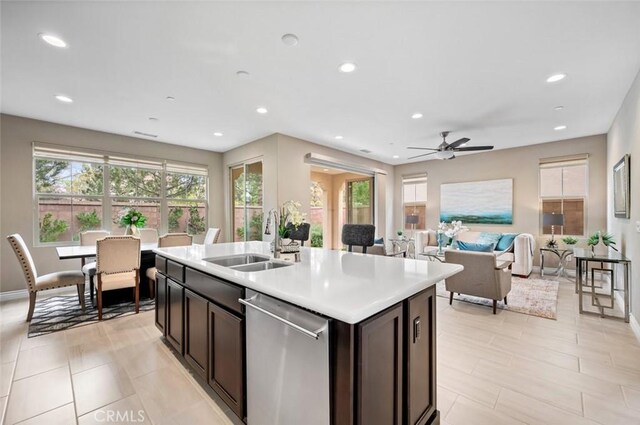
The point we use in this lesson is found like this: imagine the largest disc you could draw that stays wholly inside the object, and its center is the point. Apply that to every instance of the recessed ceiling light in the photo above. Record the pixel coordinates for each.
(347, 67)
(170, 98)
(290, 39)
(261, 110)
(558, 108)
(325, 169)
(153, 119)
(396, 156)
(218, 134)
(64, 99)
(242, 74)
(52, 40)
(416, 116)
(560, 127)
(556, 77)
(338, 137)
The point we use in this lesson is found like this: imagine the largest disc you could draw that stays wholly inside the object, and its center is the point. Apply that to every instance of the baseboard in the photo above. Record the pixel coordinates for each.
(24, 294)
(635, 326)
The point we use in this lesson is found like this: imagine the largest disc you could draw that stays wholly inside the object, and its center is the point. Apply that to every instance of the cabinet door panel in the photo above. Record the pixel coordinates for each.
(421, 357)
(379, 385)
(175, 312)
(196, 346)
(226, 357)
(161, 303)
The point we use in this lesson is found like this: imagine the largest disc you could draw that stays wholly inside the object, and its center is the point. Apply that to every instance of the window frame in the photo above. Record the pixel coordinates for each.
(108, 160)
(414, 179)
(578, 160)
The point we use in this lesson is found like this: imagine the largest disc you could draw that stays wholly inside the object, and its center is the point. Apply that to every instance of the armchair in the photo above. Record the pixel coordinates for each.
(480, 277)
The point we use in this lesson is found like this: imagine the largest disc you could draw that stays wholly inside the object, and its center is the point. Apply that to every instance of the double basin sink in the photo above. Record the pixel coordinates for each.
(247, 262)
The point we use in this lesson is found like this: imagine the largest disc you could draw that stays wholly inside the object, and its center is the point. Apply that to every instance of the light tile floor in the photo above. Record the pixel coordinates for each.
(504, 369)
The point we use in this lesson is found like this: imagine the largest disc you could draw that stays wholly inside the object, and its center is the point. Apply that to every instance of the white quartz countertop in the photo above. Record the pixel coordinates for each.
(346, 286)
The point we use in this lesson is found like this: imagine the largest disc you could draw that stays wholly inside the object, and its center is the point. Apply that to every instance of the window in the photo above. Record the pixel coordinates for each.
(77, 191)
(246, 195)
(414, 201)
(563, 190)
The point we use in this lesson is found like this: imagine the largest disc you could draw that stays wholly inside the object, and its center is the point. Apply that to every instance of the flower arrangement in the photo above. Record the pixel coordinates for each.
(449, 230)
(133, 217)
(290, 213)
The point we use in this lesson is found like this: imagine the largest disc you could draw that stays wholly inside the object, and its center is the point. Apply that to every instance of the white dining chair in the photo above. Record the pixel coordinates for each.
(170, 239)
(148, 235)
(212, 236)
(89, 238)
(118, 266)
(37, 283)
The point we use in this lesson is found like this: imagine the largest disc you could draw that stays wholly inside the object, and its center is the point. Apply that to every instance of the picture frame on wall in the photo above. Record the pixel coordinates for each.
(622, 187)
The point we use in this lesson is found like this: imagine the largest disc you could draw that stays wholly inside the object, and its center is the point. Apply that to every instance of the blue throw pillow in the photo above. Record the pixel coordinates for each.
(489, 238)
(378, 241)
(470, 246)
(506, 241)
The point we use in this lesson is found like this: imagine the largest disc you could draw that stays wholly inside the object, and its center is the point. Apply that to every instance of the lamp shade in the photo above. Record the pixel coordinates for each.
(552, 219)
(412, 219)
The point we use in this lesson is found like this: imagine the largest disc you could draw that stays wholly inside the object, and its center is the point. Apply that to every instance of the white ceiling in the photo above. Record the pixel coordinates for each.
(477, 69)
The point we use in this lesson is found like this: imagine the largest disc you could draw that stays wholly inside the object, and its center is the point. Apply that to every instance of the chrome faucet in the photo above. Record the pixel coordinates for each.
(276, 238)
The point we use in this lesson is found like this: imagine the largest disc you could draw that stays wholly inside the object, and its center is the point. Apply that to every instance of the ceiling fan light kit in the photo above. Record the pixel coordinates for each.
(447, 150)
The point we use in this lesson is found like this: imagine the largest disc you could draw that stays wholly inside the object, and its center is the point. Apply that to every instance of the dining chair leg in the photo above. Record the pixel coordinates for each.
(81, 295)
(32, 305)
(99, 296)
(137, 297)
(91, 287)
(450, 298)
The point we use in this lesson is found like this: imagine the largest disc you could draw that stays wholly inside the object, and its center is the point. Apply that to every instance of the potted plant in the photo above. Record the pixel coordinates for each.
(570, 241)
(289, 214)
(606, 238)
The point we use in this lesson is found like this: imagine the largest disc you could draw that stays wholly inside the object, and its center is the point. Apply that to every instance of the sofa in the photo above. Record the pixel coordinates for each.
(520, 252)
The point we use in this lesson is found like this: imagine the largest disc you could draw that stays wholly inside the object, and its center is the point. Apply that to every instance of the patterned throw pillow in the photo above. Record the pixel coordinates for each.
(489, 238)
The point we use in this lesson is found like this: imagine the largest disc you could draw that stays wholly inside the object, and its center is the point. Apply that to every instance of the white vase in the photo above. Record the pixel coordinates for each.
(132, 230)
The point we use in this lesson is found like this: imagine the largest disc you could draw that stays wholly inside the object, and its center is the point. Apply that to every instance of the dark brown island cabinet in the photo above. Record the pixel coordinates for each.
(382, 370)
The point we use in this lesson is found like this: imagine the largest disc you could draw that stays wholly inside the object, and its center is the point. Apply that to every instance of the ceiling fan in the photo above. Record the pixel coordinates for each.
(447, 150)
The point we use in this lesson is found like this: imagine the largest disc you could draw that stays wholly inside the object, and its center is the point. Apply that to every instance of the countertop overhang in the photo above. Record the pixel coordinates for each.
(349, 287)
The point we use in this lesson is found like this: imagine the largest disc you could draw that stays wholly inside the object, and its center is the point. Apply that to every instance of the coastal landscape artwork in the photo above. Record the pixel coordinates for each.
(481, 202)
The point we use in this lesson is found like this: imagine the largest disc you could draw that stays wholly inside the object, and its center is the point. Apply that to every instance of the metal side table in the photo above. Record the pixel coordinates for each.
(583, 258)
(562, 254)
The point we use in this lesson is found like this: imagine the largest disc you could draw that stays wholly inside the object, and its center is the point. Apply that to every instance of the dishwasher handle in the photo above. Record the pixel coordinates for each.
(311, 334)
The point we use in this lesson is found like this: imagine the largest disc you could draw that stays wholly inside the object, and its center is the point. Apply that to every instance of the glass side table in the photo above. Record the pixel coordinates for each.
(406, 245)
(563, 256)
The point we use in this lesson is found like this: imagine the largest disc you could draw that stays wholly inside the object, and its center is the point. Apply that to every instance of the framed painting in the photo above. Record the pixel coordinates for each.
(480, 202)
(622, 187)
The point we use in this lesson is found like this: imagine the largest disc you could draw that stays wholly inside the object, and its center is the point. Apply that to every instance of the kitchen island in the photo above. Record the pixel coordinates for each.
(337, 338)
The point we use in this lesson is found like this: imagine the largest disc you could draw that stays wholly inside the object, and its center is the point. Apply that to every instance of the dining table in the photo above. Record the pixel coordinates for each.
(147, 260)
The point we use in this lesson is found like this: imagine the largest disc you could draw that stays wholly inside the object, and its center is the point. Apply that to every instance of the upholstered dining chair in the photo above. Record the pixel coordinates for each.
(165, 241)
(212, 235)
(37, 283)
(89, 238)
(362, 235)
(301, 233)
(148, 235)
(118, 266)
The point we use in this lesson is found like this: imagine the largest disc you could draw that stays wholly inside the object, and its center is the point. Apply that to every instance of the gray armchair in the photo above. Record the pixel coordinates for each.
(480, 277)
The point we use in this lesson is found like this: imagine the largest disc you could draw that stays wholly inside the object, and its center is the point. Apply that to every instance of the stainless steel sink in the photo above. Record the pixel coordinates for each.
(257, 267)
(238, 260)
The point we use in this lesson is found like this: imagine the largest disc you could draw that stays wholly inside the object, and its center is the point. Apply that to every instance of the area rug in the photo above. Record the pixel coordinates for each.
(63, 312)
(535, 297)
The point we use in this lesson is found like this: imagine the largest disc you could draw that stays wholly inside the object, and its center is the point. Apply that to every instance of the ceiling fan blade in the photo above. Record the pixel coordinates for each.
(426, 149)
(474, 148)
(459, 142)
(424, 154)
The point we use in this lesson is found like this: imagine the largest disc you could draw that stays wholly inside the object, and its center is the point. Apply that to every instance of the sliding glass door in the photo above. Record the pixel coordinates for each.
(359, 201)
(246, 196)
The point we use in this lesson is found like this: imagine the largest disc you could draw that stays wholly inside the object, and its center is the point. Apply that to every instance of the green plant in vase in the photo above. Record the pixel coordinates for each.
(570, 240)
(607, 240)
(133, 220)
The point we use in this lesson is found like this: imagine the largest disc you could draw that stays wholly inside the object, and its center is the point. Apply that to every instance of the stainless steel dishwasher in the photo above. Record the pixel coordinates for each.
(287, 363)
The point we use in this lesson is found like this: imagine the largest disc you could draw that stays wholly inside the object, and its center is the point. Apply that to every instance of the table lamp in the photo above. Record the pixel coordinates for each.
(552, 219)
(412, 219)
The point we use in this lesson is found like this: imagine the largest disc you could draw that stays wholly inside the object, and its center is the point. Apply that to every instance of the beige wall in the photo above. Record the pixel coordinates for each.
(520, 164)
(284, 155)
(624, 138)
(16, 215)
